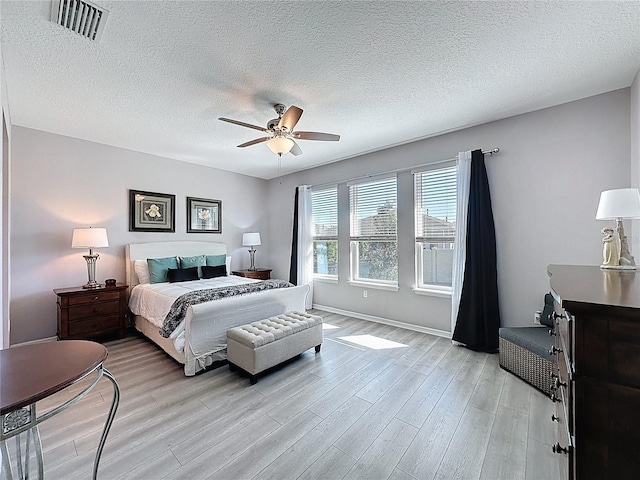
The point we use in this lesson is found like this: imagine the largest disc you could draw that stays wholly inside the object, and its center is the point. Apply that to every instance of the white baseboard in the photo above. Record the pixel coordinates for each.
(386, 321)
(41, 340)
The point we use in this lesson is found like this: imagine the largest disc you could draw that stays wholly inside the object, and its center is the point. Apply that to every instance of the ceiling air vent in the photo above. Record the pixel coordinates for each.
(80, 16)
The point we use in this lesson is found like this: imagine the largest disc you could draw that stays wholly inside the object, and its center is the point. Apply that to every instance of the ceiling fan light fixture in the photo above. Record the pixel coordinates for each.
(280, 145)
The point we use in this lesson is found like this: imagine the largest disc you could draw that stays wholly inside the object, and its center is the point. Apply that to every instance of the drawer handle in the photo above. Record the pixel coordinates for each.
(554, 375)
(554, 398)
(555, 418)
(559, 449)
(95, 309)
(96, 298)
(553, 350)
(552, 333)
(557, 383)
(554, 316)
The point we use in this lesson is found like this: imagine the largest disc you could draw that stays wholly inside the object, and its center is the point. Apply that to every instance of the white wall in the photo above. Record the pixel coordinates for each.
(545, 186)
(635, 158)
(60, 183)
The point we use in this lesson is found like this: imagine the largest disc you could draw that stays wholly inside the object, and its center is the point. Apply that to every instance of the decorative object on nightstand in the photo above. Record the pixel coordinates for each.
(251, 240)
(616, 205)
(83, 314)
(90, 238)
(257, 273)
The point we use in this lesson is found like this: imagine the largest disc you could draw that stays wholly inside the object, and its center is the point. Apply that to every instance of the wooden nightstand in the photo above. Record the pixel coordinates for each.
(259, 273)
(85, 313)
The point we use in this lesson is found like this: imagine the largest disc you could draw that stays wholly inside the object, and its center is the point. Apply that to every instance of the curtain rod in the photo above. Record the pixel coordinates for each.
(485, 152)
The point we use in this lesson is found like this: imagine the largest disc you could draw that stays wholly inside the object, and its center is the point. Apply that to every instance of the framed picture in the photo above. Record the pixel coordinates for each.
(203, 215)
(151, 212)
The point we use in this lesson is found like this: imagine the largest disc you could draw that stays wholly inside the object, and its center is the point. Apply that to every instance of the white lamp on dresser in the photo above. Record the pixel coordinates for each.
(617, 205)
(90, 238)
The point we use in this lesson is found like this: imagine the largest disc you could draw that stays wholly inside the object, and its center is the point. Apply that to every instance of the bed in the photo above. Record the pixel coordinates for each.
(200, 339)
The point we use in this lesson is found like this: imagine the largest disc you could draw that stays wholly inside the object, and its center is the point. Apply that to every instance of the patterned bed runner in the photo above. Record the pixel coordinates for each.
(183, 302)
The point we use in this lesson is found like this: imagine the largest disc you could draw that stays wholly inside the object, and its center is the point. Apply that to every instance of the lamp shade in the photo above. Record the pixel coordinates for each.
(251, 239)
(280, 145)
(619, 203)
(89, 238)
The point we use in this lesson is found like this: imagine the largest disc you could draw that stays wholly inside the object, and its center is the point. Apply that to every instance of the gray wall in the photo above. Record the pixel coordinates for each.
(60, 183)
(545, 186)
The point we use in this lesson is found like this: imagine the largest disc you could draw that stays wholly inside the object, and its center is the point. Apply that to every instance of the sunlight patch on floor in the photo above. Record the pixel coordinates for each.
(371, 341)
(328, 326)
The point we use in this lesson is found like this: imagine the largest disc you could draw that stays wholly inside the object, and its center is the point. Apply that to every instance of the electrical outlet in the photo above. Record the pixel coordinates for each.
(364, 293)
(536, 318)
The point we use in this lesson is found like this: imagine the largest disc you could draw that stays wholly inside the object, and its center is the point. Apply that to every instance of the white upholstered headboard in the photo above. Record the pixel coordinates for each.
(142, 251)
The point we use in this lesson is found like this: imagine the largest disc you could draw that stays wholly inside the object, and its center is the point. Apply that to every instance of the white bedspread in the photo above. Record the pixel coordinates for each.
(153, 300)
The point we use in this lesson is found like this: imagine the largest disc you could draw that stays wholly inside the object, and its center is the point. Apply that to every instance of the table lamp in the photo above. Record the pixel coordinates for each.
(251, 240)
(90, 238)
(616, 205)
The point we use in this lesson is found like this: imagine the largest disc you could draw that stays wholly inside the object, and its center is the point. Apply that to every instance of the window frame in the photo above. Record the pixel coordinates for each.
(356, 236)
(420, 287)
(325, 238)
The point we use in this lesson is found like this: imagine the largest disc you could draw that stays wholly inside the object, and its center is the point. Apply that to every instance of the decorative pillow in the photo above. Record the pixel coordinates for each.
(142, 271)
(215, 260)
(158, 268)
(195, 261)
(213, 272)
(182, 274)
(228, 264)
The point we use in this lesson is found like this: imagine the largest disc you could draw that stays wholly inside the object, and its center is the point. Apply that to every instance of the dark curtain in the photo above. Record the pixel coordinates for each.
(479, 315)
(293, 270)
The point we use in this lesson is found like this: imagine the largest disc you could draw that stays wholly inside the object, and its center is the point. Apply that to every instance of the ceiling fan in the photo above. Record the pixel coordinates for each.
(281, 137)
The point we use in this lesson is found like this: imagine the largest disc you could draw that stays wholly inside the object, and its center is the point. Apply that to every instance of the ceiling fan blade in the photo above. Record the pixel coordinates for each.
(326, 137)
(242, 124)
(290, 118)
(295, 150)
(253, 142)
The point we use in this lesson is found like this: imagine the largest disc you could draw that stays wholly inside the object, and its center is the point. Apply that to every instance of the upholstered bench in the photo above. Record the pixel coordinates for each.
(524, 351)
(266, 343)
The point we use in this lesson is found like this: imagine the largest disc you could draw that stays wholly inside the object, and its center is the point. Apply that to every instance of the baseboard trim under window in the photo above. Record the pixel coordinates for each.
(385, 321)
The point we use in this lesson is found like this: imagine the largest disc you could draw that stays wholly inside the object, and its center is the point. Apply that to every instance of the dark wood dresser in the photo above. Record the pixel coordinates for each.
(258, 273)
(597, 385)
(87, 313)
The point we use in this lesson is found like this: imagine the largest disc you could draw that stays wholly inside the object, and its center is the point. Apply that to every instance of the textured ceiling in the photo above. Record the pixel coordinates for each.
(377, 73)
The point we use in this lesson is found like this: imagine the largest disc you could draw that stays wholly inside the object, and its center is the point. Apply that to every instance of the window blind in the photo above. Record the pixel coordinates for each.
(374, 210)
(435, 205)
(324, 210)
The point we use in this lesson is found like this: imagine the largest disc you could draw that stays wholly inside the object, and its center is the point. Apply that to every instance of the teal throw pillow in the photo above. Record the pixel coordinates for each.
(195, 261)
(215, 260)
(158, 268)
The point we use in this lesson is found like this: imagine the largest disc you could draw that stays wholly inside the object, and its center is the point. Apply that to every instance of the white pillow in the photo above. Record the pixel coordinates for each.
(142, 271)
(228, 264)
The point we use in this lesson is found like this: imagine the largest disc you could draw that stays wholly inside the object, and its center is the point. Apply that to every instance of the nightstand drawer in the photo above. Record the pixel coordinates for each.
(95, 324)
(259, 274)
(93, 310)
(91, 297)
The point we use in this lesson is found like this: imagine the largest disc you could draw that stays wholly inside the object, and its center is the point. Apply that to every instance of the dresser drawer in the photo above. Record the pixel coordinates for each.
(563, 447)
(96, 324)
(94, 297)
(93, 310)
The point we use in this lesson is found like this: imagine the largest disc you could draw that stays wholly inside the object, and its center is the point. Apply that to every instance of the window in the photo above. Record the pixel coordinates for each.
(435, 220)
(324, 210)
(373, 219)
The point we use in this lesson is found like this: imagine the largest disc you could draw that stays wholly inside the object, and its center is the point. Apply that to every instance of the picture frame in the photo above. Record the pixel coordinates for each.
(204, 215)
(151, 212)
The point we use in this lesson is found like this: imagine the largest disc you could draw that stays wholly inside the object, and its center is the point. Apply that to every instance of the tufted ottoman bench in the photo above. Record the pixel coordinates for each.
(266, 343)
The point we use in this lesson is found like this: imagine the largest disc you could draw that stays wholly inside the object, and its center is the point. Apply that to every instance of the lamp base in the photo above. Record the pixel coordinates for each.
(618, 267)
(92, 285)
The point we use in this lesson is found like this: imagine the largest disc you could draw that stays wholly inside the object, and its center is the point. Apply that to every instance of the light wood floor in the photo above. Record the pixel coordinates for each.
(423, 410)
